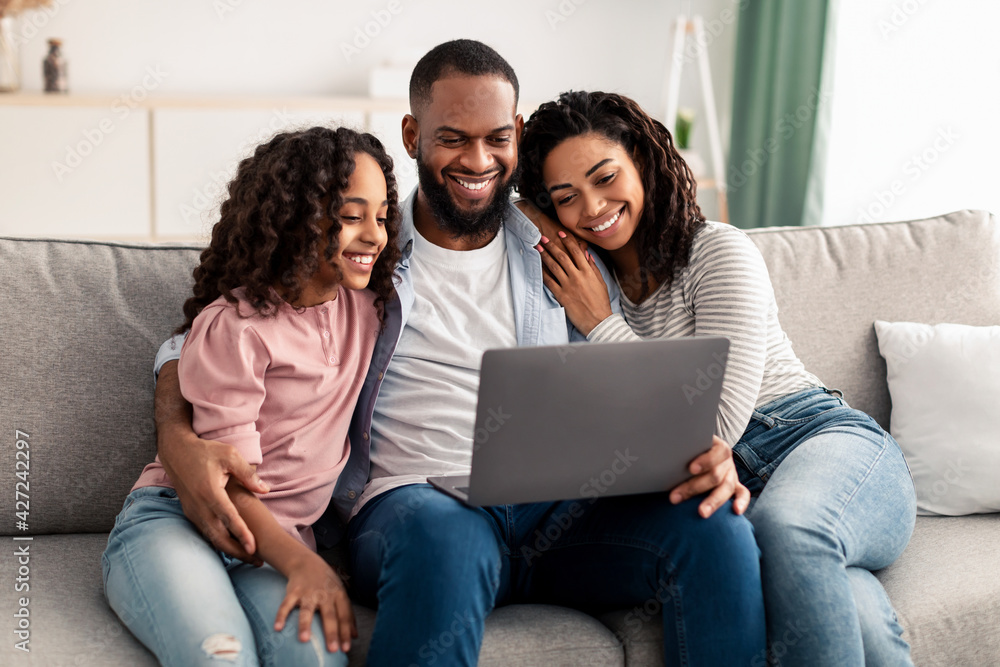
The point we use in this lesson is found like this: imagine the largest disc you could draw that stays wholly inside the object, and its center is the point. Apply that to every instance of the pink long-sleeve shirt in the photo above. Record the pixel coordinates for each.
(282, 391)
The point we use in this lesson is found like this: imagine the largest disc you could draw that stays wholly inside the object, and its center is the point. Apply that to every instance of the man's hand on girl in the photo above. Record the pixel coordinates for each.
(314, 587)
(713, 471)
(200, 474)
(574, 279)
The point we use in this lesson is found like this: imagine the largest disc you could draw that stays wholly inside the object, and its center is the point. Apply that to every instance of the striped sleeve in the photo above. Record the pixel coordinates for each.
(730, 294)
(613, 329)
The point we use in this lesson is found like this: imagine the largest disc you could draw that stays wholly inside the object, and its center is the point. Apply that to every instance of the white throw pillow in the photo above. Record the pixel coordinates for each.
(945, 386)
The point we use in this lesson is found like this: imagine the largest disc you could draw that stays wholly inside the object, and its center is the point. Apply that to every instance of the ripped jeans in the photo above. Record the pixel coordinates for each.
(192, 605)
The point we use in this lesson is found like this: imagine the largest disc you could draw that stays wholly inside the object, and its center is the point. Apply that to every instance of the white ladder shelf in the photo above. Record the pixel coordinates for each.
(695, 27)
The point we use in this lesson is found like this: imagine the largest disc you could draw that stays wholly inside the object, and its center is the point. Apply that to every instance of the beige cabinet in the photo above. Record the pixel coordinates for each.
(90, 167)
(68, 171)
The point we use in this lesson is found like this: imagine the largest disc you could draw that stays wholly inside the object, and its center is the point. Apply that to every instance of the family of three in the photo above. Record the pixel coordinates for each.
(330, 364)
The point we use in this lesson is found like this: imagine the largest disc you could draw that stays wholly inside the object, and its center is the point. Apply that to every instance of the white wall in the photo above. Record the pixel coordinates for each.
(916, 110)
(295, 47)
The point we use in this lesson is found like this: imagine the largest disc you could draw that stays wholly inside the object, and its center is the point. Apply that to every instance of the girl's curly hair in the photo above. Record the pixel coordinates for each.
(268, 233)
(670, 213)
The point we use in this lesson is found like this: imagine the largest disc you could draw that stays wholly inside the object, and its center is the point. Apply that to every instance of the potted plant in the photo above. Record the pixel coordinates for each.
(682, 139)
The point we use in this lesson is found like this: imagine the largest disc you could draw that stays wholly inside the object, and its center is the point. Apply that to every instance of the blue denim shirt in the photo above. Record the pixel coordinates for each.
(538, 320)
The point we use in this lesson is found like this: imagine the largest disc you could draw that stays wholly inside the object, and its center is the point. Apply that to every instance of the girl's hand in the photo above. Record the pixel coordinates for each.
(313, 587)
(714, 471)
(573, 277)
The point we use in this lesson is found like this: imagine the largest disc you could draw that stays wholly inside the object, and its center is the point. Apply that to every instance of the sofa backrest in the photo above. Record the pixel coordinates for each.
(80, 325)
(832, 283)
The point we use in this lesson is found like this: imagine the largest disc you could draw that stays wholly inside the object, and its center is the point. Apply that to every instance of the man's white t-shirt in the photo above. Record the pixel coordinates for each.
(426, 408)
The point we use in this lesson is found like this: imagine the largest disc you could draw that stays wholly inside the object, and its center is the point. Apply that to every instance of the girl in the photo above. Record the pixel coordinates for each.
(834, 498)
(281, 332)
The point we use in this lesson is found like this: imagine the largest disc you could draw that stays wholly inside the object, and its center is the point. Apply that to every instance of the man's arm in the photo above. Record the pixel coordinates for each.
(200, 470)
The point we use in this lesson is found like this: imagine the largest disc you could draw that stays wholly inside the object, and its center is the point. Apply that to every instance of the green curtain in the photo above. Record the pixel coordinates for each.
(780, 112)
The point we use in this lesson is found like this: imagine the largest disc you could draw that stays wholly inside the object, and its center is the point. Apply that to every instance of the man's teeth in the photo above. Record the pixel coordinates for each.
(607, 224)
(473, 186)
(361, 259)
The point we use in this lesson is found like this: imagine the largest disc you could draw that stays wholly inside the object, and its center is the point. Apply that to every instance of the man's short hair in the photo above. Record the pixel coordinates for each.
(460, 56)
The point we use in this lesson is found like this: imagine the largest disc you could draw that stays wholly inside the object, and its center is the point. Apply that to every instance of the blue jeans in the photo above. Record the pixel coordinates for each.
(435, 568)
(192, 605)
(833, 501)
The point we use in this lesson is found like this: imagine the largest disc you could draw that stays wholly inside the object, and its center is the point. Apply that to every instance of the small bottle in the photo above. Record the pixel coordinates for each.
(54, 69)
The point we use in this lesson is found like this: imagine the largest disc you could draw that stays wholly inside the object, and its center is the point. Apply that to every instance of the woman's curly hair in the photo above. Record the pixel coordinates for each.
(670, 213)
(268, 233)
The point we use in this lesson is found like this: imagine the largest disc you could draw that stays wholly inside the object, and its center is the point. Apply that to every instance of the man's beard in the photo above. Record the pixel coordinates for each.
(483, 224)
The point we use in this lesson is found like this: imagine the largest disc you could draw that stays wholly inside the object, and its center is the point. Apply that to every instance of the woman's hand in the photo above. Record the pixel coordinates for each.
(573, 277)
(714, 471)
(313, 587)
(546, 225)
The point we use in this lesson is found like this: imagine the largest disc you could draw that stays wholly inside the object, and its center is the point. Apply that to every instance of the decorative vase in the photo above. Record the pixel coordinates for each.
(54, 69)
(10, 59)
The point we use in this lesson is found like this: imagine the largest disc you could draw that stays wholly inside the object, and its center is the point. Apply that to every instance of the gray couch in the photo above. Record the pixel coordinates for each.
(82, 321)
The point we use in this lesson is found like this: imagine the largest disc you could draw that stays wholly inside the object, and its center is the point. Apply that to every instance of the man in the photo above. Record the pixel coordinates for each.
(469, 281)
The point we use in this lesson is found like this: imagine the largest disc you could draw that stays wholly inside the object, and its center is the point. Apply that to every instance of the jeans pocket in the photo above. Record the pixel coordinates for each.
(795, 421)
(804, 406)
(760, 418)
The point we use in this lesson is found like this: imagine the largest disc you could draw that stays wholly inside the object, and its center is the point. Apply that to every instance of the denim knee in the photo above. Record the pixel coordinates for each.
(724, 529)
(783, 530)
(287, 649)
(436, 532)
(723, 540)
(427, 540)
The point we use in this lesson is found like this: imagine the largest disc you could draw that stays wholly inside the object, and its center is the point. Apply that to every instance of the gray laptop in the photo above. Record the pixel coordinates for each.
(589, 420)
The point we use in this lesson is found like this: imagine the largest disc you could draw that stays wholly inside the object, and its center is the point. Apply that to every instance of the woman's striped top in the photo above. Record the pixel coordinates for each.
(724, 291)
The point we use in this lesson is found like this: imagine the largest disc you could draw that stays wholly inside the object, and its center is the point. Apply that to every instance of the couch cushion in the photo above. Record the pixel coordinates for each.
(950, 437)
(946, 591)
(69, 618)
(832, 283)
(81, 324)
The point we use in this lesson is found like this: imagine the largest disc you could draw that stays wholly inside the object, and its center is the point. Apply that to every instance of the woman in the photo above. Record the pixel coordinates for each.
(833, 499)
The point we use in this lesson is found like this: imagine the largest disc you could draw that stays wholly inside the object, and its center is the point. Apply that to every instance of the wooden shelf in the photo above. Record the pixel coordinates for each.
(323, 103)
